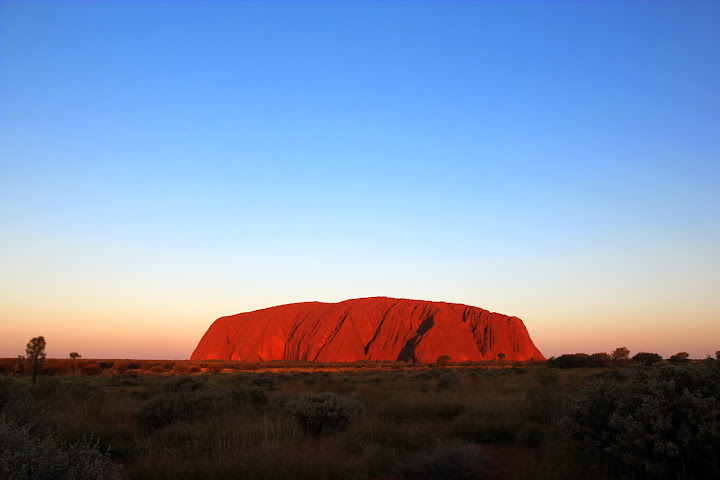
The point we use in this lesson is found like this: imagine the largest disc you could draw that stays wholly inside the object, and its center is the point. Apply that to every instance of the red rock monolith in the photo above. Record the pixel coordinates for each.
(376, 328)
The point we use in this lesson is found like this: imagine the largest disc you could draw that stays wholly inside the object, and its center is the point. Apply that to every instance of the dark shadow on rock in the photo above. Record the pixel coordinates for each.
(408, 351)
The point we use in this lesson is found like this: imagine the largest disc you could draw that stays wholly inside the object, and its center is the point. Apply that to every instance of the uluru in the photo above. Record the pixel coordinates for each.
(377, 328)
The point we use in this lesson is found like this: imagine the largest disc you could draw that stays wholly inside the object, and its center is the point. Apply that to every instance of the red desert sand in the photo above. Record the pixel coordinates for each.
(376, 328)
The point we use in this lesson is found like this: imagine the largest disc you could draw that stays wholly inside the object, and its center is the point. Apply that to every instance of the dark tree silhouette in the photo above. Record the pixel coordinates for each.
(599, 359)
(647, 358)
(620, 354)
(679, 357)
(73, 365)
(35, 352)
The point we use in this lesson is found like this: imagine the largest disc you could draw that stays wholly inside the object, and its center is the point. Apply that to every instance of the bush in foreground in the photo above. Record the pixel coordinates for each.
(665, 421)
(24, 456)
(182, 398)
(322, 412)
(249, 396)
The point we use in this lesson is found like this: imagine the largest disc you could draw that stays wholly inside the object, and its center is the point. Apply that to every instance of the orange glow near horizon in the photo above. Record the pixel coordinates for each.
(153, 335)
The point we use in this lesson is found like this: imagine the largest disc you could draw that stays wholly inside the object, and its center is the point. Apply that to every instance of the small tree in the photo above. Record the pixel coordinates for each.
(679, 357)
(443, 360)
(73, 365)
(501, 357)
(620, 355)
(35, 351)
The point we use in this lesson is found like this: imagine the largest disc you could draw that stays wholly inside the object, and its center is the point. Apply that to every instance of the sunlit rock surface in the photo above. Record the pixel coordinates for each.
(377, 328)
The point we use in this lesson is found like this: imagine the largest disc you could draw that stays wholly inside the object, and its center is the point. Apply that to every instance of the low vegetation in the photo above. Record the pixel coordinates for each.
(30, 446)
(664, 421)
(323, 412)
(600, 416)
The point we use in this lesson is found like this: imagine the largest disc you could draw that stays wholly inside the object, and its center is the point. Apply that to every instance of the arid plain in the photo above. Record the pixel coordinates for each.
(600, 416)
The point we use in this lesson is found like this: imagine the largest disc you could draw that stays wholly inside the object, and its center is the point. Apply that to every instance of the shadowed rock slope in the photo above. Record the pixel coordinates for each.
(377, 328)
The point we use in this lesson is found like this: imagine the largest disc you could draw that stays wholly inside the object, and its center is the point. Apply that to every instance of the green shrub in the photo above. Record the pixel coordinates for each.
(321, 412)
(184, 383)
(24, 456)
(168, 408)
(25, 406)
(179, 368)
(80, 391)
(249, 396)
(665, 422)
(182, 398)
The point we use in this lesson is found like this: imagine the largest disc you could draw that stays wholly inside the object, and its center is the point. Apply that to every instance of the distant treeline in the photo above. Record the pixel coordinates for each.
(54, 367)
(20, 366)
(620, 356)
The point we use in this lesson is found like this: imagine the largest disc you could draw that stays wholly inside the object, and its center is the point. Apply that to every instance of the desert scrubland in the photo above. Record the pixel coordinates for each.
(154, 419)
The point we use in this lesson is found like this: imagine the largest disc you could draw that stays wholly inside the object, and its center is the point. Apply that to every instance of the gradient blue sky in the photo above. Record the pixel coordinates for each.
(163, 164)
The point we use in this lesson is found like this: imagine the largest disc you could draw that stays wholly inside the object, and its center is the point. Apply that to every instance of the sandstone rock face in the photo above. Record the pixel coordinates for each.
(377, 328)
